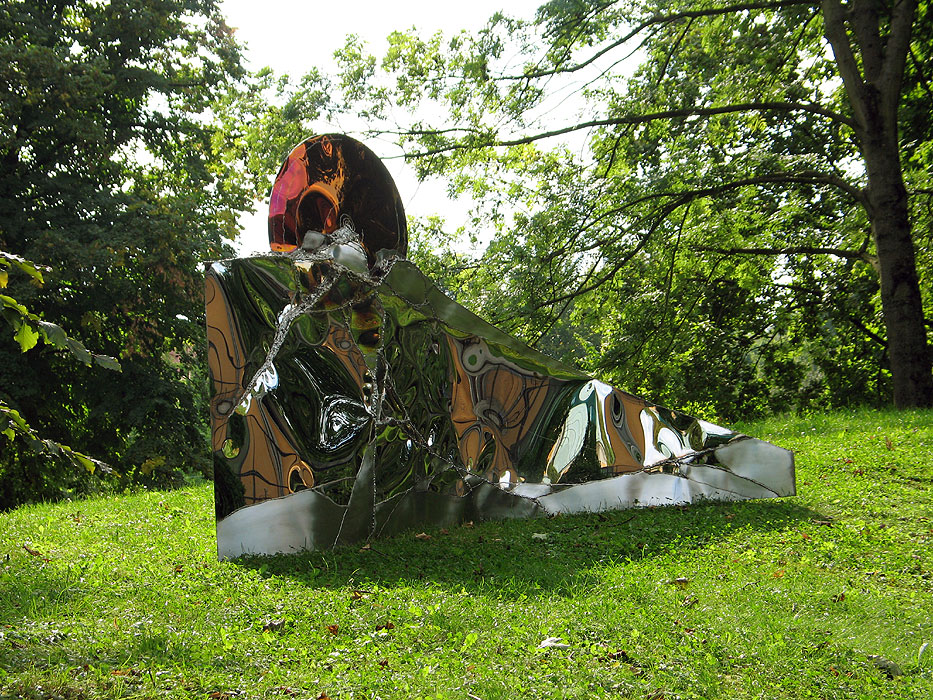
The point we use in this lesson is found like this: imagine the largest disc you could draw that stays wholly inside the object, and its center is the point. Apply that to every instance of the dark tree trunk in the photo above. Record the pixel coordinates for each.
(900, 290)
(873, 87)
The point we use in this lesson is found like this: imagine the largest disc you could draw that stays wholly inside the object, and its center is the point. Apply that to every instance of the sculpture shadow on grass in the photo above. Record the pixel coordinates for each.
(506, 557)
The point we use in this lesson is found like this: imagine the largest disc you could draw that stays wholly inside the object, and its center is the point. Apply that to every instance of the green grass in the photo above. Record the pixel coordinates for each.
(781, 599)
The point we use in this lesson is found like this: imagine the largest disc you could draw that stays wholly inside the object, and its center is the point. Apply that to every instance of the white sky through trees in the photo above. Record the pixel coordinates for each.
(294, 36)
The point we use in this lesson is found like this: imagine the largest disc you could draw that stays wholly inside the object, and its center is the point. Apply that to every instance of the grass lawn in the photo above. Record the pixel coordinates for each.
(798, 598)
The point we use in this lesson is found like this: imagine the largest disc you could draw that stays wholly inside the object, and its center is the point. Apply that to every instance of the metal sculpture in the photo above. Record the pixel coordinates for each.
(352, 399)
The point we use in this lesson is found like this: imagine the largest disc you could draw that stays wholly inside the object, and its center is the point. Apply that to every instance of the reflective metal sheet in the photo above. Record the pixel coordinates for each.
(352, 399)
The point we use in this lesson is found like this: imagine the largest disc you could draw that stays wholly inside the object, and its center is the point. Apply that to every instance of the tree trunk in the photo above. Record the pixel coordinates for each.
(873, 87)
(900, 290)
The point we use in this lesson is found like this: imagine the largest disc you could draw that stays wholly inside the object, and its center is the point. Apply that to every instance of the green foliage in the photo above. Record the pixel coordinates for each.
(704, 236)
(123, 596)
(28, 329)
(113, 178)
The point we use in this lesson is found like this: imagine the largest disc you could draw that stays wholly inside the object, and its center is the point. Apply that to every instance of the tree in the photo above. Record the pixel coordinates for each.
(739, 148)
(113, 176)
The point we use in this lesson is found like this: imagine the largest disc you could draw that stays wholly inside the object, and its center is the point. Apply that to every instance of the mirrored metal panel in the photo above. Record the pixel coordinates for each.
(352, 399)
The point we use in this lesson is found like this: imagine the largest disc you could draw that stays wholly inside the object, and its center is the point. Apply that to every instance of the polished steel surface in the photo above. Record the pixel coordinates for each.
(352, 399)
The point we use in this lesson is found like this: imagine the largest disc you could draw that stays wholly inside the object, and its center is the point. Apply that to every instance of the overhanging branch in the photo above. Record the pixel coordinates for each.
(654, 21)
(791, 250)
(681, 113)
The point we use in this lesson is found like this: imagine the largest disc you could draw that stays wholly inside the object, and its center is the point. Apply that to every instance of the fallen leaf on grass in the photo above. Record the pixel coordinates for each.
(827, 523)
(468, 523)
(124, 672)
(366, 547)
(384, 663)
(333, 629)
(423, 536)
(680, 582)
(839, 598)
(553, 643)
(620, 655)
(34, 552)
(323, 696)
(542, 536)
(386, 626)
(778, 574)
(888, 443)
(890, 668)
(273, 625)
(690, 601)
(444, 531)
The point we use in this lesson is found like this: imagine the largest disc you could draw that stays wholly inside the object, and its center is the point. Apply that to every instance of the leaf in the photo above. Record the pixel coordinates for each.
(423, 536)
(78, 350)
(17, 426)
(11, 303)
(29, 268)
(27, 336)
(54, 334)
(553, 643)
(108, 362)
(469, 641)
(4, 276)
(890, 668)
(84, 461)
(273, 625)
(333, 629)
(151, 464)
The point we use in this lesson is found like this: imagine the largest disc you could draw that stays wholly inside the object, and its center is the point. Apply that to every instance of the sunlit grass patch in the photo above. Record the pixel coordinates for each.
(124, 597)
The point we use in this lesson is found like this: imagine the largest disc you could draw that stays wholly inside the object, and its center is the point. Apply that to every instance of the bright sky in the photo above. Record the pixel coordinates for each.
(292, 36)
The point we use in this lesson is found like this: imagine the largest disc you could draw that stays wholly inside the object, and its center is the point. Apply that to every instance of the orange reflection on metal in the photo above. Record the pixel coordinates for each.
(328, 182)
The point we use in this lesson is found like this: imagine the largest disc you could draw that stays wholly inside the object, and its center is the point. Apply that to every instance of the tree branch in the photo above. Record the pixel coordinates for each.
(634, 119)
(895, 55)
(835, 33)
(652, 21)
(667, 210)
(790, 250)
(921, 78)
(863, 18)
(802, 177)
(871, 334)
